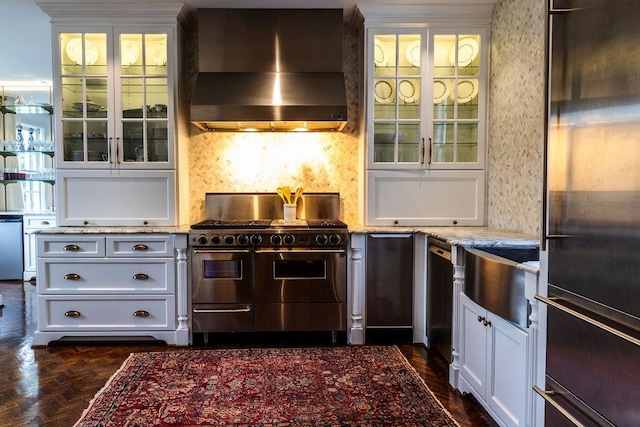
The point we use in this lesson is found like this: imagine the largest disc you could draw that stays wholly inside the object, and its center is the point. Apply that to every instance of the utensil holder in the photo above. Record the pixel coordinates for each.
(289, 212)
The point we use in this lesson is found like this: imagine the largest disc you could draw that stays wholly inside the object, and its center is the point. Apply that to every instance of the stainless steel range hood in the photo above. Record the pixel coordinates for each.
(269, 70)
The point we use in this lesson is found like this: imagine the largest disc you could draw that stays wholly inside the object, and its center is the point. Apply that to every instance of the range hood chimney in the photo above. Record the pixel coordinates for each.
(269, 70)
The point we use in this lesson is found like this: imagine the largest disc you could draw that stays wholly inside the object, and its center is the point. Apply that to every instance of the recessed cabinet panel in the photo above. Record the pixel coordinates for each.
(425, 198)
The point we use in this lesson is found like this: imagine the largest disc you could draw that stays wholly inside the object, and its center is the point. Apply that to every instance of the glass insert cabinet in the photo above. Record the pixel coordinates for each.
(114, 99)
(426, 103)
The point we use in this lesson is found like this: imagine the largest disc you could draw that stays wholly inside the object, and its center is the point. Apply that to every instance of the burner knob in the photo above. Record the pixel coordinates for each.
(228, 240)
(256, 239)
(335, 239)
(202, 239)
(289, 239)
(321, 239)
(215, 240)
(275, 239)
(243, 239)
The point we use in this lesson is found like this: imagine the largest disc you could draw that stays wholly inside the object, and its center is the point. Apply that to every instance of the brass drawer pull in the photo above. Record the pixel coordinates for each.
(140, 247)
(72, 276)
(141, 313)
(141, 276)
(72, 248)
(72, 313)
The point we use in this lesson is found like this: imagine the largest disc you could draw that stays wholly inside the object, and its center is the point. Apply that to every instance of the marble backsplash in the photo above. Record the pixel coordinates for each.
(261, 162)
(516, 116)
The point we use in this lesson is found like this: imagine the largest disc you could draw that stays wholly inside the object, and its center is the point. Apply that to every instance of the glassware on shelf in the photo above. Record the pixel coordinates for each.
(19, 139)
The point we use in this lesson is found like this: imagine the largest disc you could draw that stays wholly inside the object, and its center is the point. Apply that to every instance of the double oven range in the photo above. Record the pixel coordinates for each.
(252, 272)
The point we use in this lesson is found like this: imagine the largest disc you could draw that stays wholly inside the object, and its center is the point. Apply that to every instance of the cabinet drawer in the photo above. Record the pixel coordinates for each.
(38, 222)
(89, 276)
(70, 246)
(106, 313)
(139, 246)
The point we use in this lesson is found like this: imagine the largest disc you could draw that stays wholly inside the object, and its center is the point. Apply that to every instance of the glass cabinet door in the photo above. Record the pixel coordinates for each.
(396, 103)
(143, 97)
(84, 82)
(457, 73)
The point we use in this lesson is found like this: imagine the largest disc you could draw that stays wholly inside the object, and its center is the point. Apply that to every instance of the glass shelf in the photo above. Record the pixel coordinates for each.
(15, 181)
(27, 109)
(15, 153)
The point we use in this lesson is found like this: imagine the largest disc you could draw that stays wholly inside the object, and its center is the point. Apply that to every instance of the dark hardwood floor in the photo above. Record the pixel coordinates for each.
(52, 386)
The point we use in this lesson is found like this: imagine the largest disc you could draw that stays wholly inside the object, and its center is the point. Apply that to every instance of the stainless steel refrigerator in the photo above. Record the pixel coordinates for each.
(592, 214)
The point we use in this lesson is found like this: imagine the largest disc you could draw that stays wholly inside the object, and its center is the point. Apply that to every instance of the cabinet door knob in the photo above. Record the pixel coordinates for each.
(72, 248)
(486, 322)
(140, 247)
(72, 313)
(479, 318)
(141, 313)
(72, 276)
(140, 276)
(44, 223)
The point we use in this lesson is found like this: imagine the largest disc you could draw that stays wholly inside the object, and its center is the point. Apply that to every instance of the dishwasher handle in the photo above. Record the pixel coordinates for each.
(441, 252)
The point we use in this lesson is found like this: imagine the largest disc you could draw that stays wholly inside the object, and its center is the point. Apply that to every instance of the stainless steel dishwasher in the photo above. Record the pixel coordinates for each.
(389, 288)
(439, 296)
(11, 247)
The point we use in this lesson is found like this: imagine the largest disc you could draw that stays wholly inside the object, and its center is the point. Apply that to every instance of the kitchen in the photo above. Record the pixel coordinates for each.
(334, 162)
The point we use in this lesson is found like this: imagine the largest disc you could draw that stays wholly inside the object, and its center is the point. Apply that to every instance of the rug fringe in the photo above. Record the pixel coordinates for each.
(97, 395)
(417, 375)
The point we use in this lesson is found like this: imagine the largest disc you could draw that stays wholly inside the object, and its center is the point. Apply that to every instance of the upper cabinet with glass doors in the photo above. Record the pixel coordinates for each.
(114, 99)
(426, 98)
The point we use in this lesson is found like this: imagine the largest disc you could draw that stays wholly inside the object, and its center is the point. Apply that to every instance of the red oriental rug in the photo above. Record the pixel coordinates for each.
(324, 386)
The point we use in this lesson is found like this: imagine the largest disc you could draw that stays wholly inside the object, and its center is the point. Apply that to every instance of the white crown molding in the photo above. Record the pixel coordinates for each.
(429, 11)
(114, 11)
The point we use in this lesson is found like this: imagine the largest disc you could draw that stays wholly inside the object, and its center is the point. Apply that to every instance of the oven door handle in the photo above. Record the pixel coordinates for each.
(301, 251)
(217, 251)
(246, 309)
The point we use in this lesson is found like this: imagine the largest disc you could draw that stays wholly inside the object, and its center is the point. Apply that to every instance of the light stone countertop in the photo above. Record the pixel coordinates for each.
(181, 229)
(462, 236)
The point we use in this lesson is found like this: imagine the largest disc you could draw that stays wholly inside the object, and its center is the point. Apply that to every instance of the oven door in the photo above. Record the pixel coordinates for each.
(222, 290)
(300, 289)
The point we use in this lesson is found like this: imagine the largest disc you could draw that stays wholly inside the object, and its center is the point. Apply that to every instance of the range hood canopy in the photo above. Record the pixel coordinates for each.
(269, 70)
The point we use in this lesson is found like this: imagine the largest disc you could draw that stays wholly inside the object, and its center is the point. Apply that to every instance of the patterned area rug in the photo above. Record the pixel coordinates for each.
(324, 386)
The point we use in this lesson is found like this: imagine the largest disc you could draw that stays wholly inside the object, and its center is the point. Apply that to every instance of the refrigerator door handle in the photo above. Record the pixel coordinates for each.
(547, 396)
(556, 303)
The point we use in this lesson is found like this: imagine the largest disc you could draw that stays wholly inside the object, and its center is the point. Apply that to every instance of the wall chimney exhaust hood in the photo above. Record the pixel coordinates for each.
(269, 70)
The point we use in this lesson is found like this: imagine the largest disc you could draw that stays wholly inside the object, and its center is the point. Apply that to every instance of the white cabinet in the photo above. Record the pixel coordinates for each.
(31, 224)
(117, 93)
(94, 286)
(425, 97)
(494, 360)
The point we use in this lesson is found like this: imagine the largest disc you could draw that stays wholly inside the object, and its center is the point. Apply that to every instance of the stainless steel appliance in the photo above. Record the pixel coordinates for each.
(592, 227)
(11, 252)
(251, 271)
(270, 70)
(439, 299)
(389, 287)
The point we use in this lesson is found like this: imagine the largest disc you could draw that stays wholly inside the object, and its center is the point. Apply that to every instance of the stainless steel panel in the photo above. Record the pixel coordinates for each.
(11, 252)
(300, 317)
(222, 318)
(314, 276)
(389, 282)
(599, 368)
(497, 284)
(223, 276)
(243, 206)
(439, 300)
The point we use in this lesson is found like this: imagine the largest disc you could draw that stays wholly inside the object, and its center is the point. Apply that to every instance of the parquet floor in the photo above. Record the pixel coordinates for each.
(52, 386)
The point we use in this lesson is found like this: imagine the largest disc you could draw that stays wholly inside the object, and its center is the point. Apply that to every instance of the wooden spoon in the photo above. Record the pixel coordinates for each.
(297, 195)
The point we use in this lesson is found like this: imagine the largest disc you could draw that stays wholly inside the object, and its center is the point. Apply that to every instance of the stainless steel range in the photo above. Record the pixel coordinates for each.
(251, 271)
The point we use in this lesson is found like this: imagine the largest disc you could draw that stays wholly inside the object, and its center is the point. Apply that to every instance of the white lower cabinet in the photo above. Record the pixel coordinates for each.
(31, 224)
(493, 363)
(93, 286)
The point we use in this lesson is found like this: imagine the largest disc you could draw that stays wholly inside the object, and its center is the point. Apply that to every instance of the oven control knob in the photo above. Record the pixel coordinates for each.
(202, 239)
(256, 239)
(321, 239)
(215, 240)
(335, 239)
(289, 239)
(275, 239)
(228, 240)
(243, 239)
